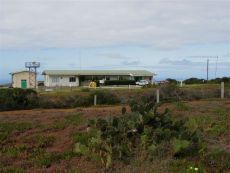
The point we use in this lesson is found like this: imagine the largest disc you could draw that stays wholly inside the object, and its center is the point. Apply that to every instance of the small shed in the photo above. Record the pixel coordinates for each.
(23, 79)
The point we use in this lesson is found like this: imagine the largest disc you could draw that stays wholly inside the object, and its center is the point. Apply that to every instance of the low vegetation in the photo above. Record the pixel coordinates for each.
(180, 137)
(144, 132)
(15, 99)
(188, 132)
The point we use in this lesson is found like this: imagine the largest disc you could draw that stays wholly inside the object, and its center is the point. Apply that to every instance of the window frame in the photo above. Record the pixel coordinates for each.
(55, 79)
(72, 79)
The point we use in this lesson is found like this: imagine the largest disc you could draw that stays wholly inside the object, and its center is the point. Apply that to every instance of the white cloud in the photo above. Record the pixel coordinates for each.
(114, 56)
(78, 23)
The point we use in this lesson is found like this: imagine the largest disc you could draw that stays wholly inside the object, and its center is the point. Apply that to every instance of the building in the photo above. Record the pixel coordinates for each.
(23, 79)
(54, 78)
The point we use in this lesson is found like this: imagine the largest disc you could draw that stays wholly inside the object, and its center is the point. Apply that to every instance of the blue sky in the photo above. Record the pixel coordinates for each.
(170, 38)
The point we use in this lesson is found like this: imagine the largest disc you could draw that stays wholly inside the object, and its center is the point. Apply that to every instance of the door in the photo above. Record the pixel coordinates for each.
(23, 84)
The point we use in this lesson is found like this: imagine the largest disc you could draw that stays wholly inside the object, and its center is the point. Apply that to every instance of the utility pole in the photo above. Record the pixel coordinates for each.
(208, 61)
(207, 68)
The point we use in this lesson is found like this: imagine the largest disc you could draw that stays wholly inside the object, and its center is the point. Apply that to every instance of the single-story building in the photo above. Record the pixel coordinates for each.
(55, 78)
(23, 79)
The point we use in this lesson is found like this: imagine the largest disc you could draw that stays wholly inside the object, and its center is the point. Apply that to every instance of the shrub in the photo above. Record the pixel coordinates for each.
(64, 101)
(120, 138)
(172, 81)
(79, 100)
(104, 98)
(194, 81)
(170, 92)
(11, 99)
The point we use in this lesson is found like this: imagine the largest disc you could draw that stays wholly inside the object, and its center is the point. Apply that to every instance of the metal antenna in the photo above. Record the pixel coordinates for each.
(207, 68)
(32, 66)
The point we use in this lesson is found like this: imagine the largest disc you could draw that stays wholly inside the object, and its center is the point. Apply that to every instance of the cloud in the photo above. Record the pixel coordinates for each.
(72, 65)
(113, 56)
(78, 23)
(175, 62)
(130, 63)
(185, 63)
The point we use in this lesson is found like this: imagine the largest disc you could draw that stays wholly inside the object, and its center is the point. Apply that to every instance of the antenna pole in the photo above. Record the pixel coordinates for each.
(207, 68)
(32, 66)
(35, 78)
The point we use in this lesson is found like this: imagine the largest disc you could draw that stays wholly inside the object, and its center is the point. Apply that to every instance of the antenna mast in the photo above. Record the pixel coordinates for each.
(207, 68)
(32, 66)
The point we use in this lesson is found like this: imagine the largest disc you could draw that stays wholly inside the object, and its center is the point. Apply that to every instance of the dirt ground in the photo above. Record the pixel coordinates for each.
(43, 121)
(52, 114)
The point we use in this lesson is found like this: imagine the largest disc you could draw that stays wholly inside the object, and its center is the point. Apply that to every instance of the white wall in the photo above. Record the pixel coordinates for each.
(61, 81)
(113, 77)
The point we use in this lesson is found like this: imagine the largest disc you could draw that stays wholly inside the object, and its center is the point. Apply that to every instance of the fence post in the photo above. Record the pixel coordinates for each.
(95, 100)
(158, 95)
(222, 90)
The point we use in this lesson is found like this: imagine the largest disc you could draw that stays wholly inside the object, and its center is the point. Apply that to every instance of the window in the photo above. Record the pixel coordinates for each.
(72, 79)
(55, 79)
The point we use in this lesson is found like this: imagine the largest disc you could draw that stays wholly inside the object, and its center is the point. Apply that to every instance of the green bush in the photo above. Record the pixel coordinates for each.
(170, 92)
(11, 99)
(64, 101)
(79, 100)
(194, 81)
(104, 98)
(219, 80)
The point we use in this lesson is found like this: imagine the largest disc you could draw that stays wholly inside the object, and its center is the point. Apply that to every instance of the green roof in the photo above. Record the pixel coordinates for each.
(99, 72)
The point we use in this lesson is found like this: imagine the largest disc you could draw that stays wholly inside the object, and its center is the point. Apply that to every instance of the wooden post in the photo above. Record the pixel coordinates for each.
(158, 95)
(181, 83)
(95, 100)
(222, 90)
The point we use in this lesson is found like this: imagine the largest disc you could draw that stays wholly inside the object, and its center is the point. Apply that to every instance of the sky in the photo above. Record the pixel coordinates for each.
(172, 38)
